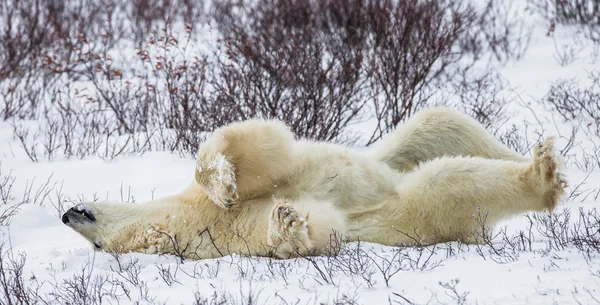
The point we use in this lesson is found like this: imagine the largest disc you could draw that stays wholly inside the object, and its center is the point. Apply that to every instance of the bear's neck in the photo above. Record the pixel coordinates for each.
(195, 230)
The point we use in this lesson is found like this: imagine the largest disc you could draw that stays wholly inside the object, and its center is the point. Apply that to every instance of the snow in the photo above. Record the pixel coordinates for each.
(55, 253)
(561, 277)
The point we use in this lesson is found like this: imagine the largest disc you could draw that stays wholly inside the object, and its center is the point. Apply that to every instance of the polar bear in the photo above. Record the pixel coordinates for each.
(260, 191)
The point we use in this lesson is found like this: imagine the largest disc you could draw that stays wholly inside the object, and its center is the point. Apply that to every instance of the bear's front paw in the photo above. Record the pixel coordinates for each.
(547, 164)
(288, 231)
(216, 176)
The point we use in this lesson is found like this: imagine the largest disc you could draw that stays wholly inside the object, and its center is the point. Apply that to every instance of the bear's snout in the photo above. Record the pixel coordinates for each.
(78, 214)
(65, 218)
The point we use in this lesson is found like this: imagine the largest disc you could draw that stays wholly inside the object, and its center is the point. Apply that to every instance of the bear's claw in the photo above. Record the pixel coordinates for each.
(288, 218)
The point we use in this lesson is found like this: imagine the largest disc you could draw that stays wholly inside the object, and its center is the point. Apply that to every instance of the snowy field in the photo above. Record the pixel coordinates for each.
(535, 259)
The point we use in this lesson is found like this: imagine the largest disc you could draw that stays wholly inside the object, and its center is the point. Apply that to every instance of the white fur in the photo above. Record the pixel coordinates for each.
(258, 191)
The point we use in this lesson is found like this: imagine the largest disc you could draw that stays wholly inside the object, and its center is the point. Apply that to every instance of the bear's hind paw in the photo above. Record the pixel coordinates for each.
(547, 166)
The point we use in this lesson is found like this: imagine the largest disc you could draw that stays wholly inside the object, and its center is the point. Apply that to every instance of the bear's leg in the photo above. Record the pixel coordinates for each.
(440, 132)
(448, 198)
(243, 160)
(304, 228)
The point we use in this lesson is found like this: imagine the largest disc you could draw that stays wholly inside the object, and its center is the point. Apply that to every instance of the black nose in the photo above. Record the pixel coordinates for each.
(65, 218)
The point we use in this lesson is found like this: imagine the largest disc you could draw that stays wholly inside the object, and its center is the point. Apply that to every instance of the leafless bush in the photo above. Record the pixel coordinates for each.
(515, 139)
(23, 35)
(324, 271)
(387, 266)
(575, 104)
(8, 211)
(7, 180)
(296, 53)
(162, 109)
(452, 291)
(482, 98)
(146, 16)
(562, 231)
(316, 65)
(589, 159)
(82, 288)
(39, 195)
(45, 35)
(345, 299)
(85, 287)
(354, 260)
(370, 264)
(567, 52)
(424, 42)
(485, 237)
(279, 269)
(53, 33)
(129, 268)
(247, 296)
(48, 46)
(167, 275)
(32, 194)
(14, 289)
(299, 61)
(584, 14)
(586, 232)
(555, 227)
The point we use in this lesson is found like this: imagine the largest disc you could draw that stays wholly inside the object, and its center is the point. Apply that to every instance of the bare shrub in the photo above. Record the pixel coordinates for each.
(298, 61)
(41, 40)
(316, 65)
(292, 55)
(555, 227)
(53, 33)
(576, 104)
(85, 287)
(8, 204)
(486, 247)
(562, 230)
(515, 140)
(164, 110)
(586, 232)
(419, 44)
(146, 16)
(371, 264)
(580, 13)
(7, 180)
(128, 268)
(167, 275)
(49, 46)
(179, 101)
(452, 291)
(482, 98)
(13, 288)
(247, 296)
(354, 260)
(33, 193)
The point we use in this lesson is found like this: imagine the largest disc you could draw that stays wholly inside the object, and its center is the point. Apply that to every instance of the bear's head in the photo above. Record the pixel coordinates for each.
(120, 227)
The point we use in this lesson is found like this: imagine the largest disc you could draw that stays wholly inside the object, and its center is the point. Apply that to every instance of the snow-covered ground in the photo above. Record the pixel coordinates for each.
(533, 270)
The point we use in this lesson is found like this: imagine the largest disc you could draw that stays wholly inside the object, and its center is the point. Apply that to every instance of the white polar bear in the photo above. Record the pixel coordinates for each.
(258, 191)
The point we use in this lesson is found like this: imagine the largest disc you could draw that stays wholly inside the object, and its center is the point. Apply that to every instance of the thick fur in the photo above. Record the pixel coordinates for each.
(258, 191)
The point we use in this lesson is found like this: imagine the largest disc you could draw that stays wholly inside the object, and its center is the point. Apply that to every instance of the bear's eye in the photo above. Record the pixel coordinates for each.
(88, 215)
